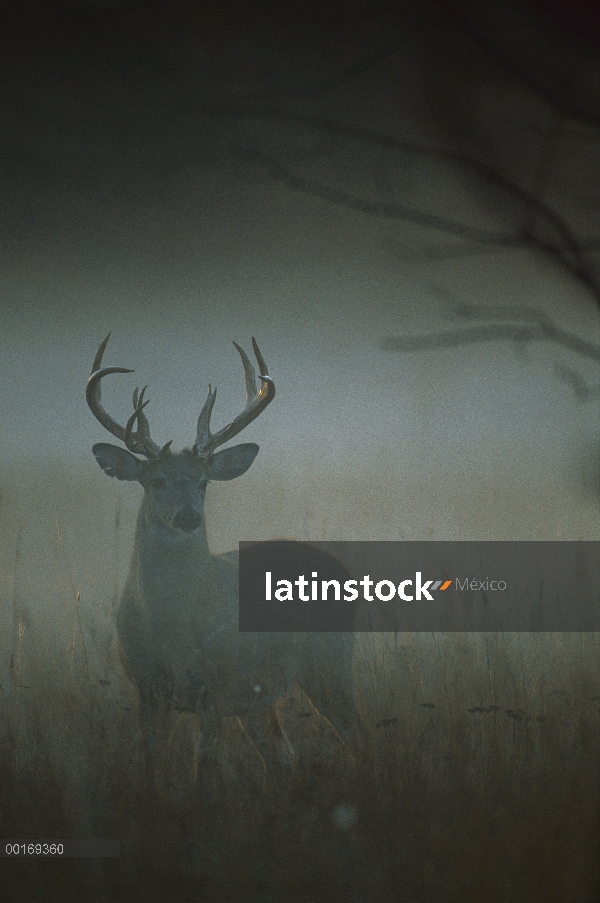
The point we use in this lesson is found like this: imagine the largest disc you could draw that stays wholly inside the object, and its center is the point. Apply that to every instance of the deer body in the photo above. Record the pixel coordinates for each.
(199, 659)
(177, 619)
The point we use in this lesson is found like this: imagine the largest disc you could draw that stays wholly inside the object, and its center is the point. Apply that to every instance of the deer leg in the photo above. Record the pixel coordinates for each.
(266, 733)
(332, 694)
(155, 724)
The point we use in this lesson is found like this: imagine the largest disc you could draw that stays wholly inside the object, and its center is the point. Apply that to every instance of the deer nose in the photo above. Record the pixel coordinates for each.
(187, 519)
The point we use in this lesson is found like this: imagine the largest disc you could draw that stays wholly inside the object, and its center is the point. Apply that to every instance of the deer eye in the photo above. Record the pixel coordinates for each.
(157, 483)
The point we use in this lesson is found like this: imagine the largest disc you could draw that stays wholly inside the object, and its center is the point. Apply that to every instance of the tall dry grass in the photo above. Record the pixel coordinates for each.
(481, 780)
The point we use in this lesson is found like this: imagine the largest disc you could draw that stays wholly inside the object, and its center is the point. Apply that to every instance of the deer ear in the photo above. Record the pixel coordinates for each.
(232, 462)
(117, 462)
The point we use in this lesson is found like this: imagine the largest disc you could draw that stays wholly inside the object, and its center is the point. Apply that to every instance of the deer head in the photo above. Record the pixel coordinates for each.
(175, 483)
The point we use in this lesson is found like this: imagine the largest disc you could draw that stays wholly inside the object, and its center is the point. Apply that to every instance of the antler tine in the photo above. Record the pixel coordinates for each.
(99, 355)
(93, 392)
(139, 442)
(262, 367)
(249, 374)
(256, 402)
(143, 425)
(203, 433)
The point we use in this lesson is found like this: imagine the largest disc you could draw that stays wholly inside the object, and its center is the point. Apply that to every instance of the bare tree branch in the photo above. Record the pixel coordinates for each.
(558, 99)
(530, 325)
(566, 249)
(493, 333)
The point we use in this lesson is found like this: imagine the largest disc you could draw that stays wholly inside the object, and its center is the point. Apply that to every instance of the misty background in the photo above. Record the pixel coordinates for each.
(400, 202)
(167, 178)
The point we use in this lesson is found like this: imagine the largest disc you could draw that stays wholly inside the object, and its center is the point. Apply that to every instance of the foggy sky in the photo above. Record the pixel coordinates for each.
(149, 190)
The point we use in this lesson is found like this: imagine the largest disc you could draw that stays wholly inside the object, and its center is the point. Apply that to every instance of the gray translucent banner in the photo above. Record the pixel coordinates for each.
(289, 586)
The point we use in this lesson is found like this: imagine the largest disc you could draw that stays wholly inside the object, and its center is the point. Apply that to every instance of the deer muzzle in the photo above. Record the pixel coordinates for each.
(187, 519)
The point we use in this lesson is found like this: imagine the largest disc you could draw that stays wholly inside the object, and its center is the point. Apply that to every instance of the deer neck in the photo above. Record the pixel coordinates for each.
(168, 566)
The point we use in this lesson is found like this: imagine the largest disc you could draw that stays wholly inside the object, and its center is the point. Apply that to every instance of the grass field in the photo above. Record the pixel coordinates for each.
(481, 778)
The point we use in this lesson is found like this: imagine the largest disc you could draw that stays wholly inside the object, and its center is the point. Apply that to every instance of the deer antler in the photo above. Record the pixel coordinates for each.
(139, 442)
(256, 401)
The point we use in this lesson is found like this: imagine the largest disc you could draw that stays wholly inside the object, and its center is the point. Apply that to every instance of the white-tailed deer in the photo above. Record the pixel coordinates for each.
(178, 616)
